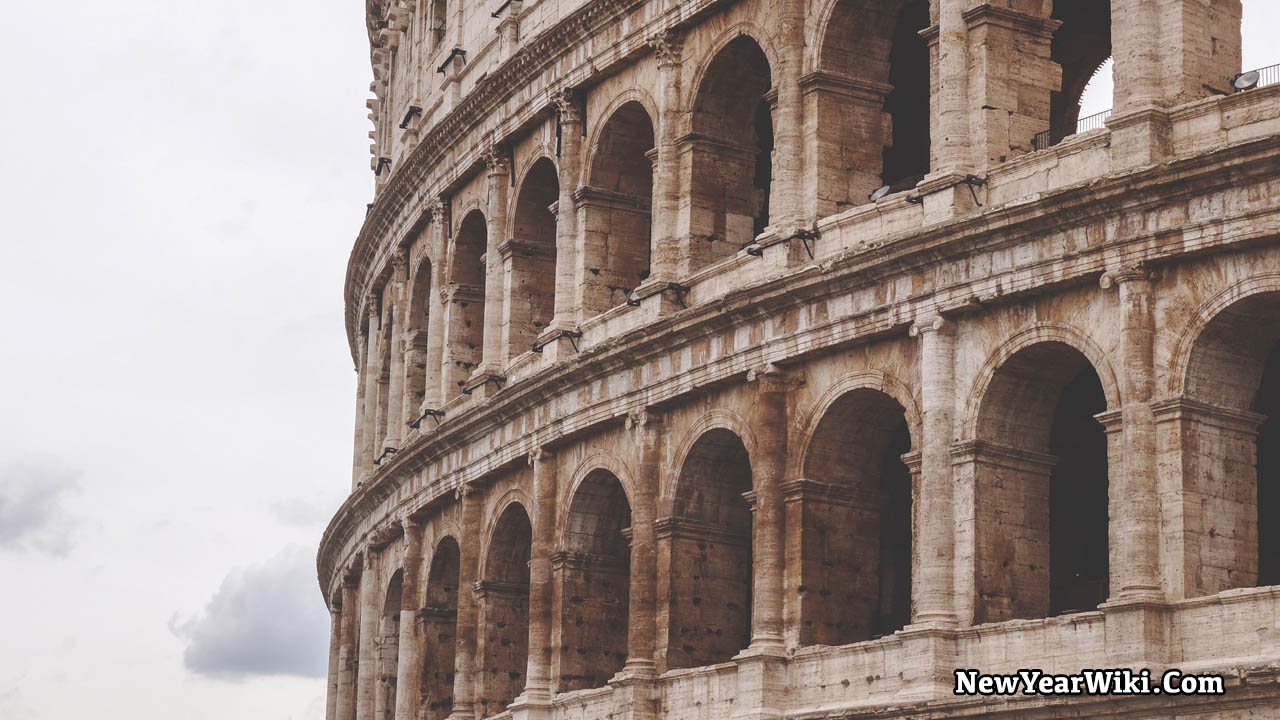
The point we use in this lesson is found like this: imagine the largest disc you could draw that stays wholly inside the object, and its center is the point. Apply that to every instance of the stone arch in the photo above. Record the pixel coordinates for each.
(416, 322)
(616, 203)
(1040, 468)
(439, 619)
(718, 418)
(851, 515)
(592, 570)
(465, 302)
(867, 379)
(729, 149)
(532, 250)
(389, 647)
(597, 459)
(1041, 333)
(1225, 431)
(503, 600)
(869, 95)
(706, 545)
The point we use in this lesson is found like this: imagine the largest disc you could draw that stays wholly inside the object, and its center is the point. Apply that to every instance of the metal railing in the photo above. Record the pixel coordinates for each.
(1269, 75)
(1045, 140)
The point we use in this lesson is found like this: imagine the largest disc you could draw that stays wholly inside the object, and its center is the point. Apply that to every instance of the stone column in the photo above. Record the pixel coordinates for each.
(567, 304)
(409, 666)
(952, 140)
(431, 399)
(935, 536)
(372, 371)
(357, 454)
(367, 677)
(770, 424)
(335, 649)
(537, 689)
(499, 164)
(464, 665)
(642, 628)
(1135, 503)
(395, 294)
(664, 227)
(786, 209)
(348, 659)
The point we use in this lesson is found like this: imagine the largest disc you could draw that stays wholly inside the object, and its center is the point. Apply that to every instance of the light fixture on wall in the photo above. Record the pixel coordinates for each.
(383, 162)
(633, 298)
(428, 413)
(1246, 80)
(409, 115)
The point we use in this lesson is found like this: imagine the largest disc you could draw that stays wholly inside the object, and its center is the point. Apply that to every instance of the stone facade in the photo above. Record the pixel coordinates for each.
(659, 415)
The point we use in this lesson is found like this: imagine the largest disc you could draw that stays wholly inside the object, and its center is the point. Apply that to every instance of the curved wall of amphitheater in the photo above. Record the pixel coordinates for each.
(660, 416)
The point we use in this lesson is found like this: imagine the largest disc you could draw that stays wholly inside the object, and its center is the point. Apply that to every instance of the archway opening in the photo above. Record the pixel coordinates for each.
(1080, 46)
(730, 151)
(870, 101)
(1041, 489)
(389, 648)
(709, 541)
(852, 518)
(593, 569)
(533, 258)
(415, 370)
(504, 611)
(464, 319)
(1231, 446)
(617, 207)
(439, 632)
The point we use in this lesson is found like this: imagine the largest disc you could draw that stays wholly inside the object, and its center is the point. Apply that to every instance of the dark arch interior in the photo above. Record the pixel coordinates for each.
(856, 511)
(619, 214)
(710, 540)
(594, 569)
(439, 631)
(389, 645)
(504, 607)
(1080, 46)
(1042, 495)
(733, 132)
(419, 312)
(1267, 403)
(533, 256)
(908, 104)
(465, 315)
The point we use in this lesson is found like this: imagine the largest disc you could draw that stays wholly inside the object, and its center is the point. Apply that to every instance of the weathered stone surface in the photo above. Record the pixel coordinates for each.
(658, 415)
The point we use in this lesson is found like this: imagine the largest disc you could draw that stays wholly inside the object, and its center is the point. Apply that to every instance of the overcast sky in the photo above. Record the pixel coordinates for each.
(181, 186)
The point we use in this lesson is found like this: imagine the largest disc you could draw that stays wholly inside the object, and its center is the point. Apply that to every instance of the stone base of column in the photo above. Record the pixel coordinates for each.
(657, 296)
(484, 383)
(928, 655)
(947, 194)
(762, 682)
(1135, 632)
(557, 342)
(635, 691)
(532, 704)
(1139, 138)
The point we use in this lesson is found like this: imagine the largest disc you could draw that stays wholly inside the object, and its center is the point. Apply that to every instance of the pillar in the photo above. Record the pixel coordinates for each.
(409, 666)
(537, 689)
(372, 370)
(335, 649)
(768, 464)
(464, 663)
(348, 658)
(786, 210)
(667, 48)
(567, 305)
(491, 363)
(935, 535)
(434, 392)
(357, 454)
(1135, 504)
(395, 294)
(642, 628)
(367, 675)
(509, 29)
(952, 153)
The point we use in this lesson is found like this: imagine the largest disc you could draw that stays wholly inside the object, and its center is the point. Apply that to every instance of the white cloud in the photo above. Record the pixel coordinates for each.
(266, 619)
(33, 516)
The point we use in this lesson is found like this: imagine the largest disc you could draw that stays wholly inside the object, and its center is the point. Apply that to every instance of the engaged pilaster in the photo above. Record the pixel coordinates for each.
(535, 701)
(488, 377)
(348, 653)
(367, 672)
(409, 665)
(395, 391)
(568, 107)
(433, 392)
(464, 668)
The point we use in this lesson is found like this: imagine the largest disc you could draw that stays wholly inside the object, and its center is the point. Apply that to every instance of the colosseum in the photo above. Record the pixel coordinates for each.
(763, 359)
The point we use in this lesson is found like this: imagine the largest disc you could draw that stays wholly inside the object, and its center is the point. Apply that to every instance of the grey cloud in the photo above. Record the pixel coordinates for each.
(33, 515)
(301, 513)
(265, 619)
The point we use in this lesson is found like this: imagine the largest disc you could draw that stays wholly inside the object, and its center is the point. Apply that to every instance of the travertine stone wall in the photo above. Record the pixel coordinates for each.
(658, 414)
